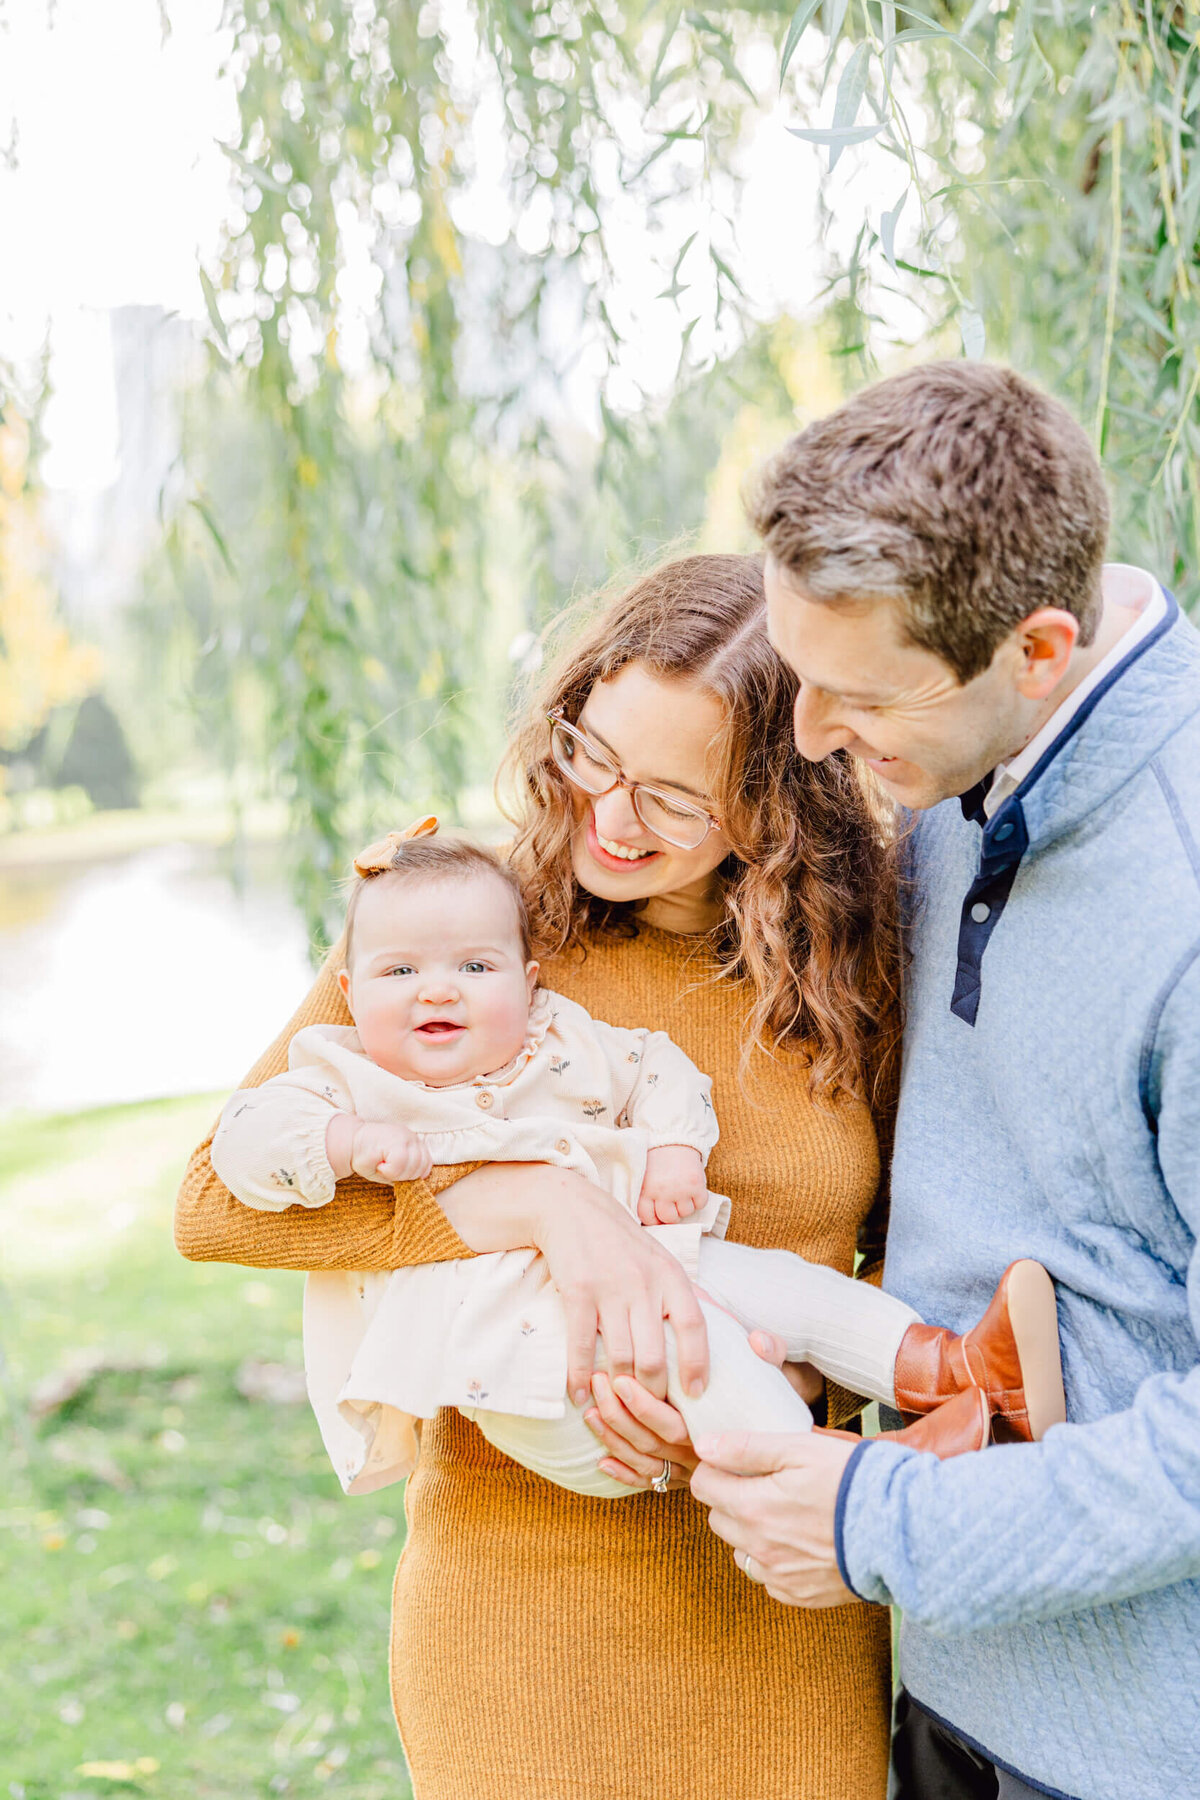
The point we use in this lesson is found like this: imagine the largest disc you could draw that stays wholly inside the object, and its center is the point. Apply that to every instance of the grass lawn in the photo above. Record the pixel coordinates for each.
(192, 1610)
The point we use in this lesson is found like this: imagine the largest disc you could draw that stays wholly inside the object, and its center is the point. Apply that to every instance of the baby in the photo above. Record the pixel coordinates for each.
(456, 1055)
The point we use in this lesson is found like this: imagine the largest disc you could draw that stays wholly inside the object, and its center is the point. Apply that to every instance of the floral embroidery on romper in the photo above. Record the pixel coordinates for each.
(476, 1393)
(652, 1080)
(283, 1178)
(593, 1108)
(633, 1057)
(527, 1328)
(558, 1064)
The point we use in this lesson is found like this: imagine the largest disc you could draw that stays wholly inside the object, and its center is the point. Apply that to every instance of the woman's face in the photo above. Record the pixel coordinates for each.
(660, 732)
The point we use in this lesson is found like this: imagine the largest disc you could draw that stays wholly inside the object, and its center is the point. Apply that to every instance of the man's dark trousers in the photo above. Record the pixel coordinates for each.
(931, 1762)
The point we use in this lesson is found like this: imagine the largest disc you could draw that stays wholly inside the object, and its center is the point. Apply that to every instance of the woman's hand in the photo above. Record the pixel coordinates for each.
(640, 1432)
(613, 1277)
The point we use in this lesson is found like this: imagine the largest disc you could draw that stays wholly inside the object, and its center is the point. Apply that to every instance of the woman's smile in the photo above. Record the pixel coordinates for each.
(613, 855)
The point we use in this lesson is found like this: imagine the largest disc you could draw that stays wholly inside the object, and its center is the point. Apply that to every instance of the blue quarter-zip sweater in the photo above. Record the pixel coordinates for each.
(1050, 1107)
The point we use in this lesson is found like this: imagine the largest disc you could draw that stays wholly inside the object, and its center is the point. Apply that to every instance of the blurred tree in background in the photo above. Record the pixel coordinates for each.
(43, 671)
(423, 428)
(1047, 173)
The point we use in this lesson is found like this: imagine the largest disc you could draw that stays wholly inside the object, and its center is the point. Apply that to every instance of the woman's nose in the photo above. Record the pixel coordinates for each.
(615, 817)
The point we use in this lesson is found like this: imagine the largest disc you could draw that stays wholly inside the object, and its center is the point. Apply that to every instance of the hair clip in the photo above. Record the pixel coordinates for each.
(381, 856)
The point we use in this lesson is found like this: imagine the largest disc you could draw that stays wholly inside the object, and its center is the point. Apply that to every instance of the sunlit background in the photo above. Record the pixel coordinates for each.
(342, 344)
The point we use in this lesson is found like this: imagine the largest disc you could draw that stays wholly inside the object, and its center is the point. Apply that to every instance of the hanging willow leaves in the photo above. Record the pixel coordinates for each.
(1063, 222)
(423, 416)
(386, 386)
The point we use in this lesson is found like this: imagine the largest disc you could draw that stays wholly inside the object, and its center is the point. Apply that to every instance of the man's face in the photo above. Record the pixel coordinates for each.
(900, 709)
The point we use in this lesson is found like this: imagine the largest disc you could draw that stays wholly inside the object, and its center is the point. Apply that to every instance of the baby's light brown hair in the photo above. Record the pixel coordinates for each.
(440, 859)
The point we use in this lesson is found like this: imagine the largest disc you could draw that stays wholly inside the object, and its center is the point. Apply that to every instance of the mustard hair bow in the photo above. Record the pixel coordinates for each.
(380, 856)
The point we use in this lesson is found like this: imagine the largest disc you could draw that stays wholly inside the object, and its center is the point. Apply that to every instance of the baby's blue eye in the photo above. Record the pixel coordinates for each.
(401, 969)
(475, 968)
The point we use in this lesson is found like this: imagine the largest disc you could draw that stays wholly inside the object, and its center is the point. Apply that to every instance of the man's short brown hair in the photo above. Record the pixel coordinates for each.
(956, 488)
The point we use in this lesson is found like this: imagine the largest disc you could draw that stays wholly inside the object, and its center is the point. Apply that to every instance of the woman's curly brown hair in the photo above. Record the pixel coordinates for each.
(809, 891)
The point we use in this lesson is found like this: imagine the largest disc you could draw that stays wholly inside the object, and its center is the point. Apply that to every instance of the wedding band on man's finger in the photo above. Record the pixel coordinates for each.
(748, 1566)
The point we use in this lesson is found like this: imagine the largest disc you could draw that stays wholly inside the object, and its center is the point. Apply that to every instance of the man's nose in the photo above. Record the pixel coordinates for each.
(816, 727)
(615, 817)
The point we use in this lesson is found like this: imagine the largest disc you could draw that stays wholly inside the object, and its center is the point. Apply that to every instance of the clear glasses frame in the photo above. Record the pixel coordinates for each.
(564, 737)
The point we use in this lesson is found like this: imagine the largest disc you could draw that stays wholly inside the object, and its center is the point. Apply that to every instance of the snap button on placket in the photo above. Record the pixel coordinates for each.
(563, 1146)
(484, 1099)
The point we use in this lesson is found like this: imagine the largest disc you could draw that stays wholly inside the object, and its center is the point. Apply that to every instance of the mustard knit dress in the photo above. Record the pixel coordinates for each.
(546, 1646)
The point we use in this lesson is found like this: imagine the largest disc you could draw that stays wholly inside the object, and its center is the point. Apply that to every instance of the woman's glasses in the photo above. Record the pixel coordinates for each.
(668, 816)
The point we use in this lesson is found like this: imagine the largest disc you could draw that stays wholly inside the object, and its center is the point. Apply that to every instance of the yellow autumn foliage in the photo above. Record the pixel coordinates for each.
(40, 667)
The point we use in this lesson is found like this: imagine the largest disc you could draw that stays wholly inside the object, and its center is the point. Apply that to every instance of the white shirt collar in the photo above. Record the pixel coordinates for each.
(1124, 585)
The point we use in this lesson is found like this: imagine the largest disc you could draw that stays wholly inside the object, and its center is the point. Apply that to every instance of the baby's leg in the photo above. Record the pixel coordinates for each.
(849, 1329)
(744, 1393)
(563, 1451)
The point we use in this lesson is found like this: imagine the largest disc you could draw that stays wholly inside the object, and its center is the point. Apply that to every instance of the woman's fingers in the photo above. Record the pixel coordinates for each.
(691, 1334)
(582, 1323)
(649, 1335)
(622, 1433)
(659, 1417)
(611, 1465)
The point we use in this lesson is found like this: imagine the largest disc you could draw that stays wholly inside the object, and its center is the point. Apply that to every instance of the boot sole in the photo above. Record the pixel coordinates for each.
(1033, 1315)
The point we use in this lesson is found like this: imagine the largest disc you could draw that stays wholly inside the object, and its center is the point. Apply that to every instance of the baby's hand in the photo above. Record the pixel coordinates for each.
(383, 1153)
(674, 1185)
(390, 1153)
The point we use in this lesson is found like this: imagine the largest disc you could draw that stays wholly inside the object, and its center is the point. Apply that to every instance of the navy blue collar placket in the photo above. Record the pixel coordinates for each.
(1005, 841)
(1006, 833)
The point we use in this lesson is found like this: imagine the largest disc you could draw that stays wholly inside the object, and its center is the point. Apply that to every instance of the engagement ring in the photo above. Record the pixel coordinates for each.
(662, 1481)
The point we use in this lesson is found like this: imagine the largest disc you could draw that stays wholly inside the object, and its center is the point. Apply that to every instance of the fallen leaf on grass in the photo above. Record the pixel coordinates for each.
(120, 1771)
(279, 1383)
(66, 1384)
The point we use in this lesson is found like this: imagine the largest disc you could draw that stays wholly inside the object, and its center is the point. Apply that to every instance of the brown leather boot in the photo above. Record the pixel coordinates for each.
(959, 1425)
(1012, 1354)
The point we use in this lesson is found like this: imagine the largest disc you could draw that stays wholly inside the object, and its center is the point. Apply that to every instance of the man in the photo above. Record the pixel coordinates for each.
(934, 579)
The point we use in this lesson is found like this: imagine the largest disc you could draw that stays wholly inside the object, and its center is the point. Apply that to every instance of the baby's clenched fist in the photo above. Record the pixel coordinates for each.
(674, 1186)
(376, 1151)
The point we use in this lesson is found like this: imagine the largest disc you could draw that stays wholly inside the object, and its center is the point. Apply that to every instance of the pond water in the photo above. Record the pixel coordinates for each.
(142, 975)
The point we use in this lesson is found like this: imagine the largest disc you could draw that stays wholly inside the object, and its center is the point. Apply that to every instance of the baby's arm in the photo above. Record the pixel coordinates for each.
(670, 1100)
(377, 1151)
(270, 1146)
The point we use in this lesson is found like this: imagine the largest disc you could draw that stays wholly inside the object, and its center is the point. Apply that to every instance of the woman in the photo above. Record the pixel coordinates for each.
(741, 900)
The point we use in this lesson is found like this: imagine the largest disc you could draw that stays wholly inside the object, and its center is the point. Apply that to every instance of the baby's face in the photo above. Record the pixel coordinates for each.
(439, 988)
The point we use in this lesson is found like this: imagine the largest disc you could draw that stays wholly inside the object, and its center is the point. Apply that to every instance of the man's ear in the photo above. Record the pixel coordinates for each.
(344, 984)
(532, 971)
(1045, 643)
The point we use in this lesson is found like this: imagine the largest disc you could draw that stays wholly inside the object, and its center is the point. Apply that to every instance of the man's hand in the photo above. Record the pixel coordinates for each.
(772, 1497)
(383, 1153)
(674, 1186)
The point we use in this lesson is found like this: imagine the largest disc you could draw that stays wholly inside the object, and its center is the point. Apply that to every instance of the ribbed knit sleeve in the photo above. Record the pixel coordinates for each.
(363, 1227)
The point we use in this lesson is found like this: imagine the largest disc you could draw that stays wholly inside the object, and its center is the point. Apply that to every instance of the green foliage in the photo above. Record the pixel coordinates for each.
(187, 1593)
(401, 380)
(1045, 151)
(421, 432)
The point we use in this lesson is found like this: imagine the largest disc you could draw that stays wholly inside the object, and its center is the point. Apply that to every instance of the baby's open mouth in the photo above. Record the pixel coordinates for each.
(440, 1028)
